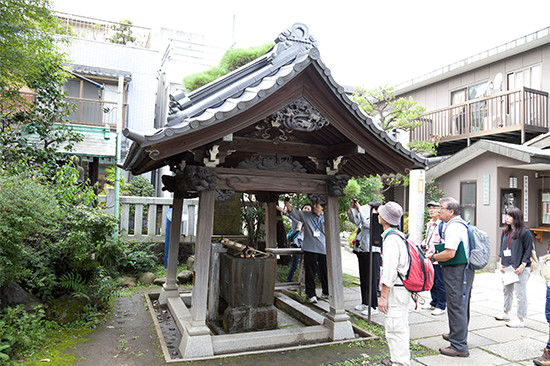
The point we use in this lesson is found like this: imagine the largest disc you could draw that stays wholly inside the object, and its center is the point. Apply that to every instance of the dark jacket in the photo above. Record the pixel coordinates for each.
(521, 248)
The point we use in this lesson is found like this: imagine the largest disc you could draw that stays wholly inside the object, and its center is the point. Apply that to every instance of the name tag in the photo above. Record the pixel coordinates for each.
(507, 252)
(316, 233)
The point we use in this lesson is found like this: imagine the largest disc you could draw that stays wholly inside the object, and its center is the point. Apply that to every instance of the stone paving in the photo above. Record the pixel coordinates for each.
(491, 342)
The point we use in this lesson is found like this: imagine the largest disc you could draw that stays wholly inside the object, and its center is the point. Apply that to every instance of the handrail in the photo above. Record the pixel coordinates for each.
(499, 112)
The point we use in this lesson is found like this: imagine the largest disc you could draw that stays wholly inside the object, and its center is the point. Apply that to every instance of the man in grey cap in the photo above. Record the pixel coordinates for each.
(394, 298)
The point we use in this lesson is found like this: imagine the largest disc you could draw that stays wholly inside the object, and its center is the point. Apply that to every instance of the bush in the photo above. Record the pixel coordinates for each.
(21, 331)
(47, 228)
(127, 257)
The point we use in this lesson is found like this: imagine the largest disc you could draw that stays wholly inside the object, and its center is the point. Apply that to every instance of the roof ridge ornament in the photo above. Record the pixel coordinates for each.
(289, 43)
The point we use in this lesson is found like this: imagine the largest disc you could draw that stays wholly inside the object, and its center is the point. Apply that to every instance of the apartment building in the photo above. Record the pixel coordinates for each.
(489, 116)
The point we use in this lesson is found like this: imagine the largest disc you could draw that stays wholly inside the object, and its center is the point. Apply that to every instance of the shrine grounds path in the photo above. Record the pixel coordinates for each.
(129, 338)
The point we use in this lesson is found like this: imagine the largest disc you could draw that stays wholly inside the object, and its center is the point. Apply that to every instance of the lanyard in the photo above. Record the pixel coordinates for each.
(317, 223)
(509, 240)
(384, 237)
(434, 226)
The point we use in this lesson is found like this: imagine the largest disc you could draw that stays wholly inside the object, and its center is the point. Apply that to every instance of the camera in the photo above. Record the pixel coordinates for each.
(355, 200)
(287, 198)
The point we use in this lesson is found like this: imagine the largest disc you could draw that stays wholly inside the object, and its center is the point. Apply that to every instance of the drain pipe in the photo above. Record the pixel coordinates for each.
(118, 145)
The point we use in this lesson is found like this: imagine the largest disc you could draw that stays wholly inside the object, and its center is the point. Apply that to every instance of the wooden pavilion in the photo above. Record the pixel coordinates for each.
(278, 124)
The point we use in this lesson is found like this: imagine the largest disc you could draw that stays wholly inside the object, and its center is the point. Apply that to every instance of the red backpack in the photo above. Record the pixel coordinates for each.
(420, 275)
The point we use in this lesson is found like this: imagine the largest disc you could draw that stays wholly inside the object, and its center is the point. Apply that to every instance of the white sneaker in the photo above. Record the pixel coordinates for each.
(516, 323)
(427, 306)
(361, 307)
(313, 300)
(502, 316)
(438, 311)
(323, 297)
(373, 311)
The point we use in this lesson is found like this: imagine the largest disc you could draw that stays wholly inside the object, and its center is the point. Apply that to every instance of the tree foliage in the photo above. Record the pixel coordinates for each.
(123, 32)
(393, 113)
(32, 124)
(231, 60)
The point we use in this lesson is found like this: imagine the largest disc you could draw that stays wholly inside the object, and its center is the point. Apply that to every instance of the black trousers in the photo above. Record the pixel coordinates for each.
(310, 268)
(364, 273)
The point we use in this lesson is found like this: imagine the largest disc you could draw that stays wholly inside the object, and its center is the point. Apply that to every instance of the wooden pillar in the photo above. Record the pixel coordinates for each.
(336, 320)
(203, 247)
(271, 222)
(170, 288)
(196, 340)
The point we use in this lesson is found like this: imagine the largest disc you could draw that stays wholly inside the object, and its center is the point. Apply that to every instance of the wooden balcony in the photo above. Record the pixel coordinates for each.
(513, 116)
(89, 112)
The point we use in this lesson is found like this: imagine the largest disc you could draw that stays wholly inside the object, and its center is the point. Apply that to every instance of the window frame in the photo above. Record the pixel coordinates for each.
(474, 205)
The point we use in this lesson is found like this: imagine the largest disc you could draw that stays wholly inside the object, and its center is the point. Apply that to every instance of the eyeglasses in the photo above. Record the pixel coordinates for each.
(441, 208)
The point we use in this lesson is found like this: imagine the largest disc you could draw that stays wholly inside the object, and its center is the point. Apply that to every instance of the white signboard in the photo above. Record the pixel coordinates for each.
(525, 198)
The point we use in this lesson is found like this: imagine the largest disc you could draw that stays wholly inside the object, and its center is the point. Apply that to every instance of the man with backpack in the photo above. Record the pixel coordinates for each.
(394, 299)
(457, 276)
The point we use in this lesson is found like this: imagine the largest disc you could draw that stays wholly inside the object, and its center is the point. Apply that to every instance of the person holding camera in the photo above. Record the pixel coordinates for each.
(314, 248)
(360, 216)
(295, 237)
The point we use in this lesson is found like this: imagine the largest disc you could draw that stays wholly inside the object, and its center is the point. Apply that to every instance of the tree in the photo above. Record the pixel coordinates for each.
(123, 32)
(231, 60)
(32, 125)
(393, 113)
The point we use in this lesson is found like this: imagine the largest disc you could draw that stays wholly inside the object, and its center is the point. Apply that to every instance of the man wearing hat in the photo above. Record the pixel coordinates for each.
(394, 297)
(439, 297)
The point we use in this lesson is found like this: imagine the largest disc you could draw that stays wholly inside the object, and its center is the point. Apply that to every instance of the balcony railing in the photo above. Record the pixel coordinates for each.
(103, 30)
(518, 110)
(94, 112)
(90, 112)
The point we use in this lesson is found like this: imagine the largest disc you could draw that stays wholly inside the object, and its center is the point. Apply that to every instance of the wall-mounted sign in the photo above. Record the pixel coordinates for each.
(525, 198)
(486, 189)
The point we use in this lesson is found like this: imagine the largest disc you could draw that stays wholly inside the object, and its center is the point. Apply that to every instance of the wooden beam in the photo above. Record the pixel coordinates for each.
(243, 180)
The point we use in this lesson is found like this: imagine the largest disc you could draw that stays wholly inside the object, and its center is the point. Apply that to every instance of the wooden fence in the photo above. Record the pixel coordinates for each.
(144, 218)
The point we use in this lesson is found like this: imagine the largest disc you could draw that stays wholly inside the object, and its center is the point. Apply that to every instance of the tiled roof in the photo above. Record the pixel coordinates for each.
(249, 85)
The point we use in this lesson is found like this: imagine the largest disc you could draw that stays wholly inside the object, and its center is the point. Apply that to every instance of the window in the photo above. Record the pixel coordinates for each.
(477, 110)
(468, 201)
(529, 77)
(94, 105)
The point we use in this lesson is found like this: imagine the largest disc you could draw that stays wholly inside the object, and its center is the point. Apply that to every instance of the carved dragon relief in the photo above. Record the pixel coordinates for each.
(272, 162)
(299, 115)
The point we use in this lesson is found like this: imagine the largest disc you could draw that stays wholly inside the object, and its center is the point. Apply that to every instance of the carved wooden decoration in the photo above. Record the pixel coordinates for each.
(300, 115)
(272, 162)
(192, 180)
(336, 185)
(334, 165)
(223, 194)
(317, 198)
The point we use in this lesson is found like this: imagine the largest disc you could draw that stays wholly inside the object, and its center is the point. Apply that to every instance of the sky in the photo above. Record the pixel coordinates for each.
(364, 43)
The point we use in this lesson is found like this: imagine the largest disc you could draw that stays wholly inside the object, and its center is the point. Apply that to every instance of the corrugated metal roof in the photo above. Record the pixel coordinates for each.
(97, 142)
(100, 72)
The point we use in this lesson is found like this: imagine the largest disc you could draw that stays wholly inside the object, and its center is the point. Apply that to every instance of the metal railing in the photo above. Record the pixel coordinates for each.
(144, 218)
(95, 112)
(502, 112)
(91, 112)
(104, 30)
